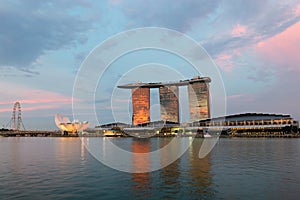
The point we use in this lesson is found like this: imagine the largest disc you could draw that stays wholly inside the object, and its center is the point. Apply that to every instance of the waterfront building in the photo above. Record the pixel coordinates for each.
(140, 105)
(251, 124)
(247, 124)
(112, 125)
(169, 103)
(199, 100)
(198, 89)
(67, 127)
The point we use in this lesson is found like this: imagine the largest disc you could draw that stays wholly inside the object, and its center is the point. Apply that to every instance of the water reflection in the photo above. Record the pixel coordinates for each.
(60, 168)
(169, 175)
(187, 171)
(199, 171)
(15, 155)
(67, 150)
(141, 181)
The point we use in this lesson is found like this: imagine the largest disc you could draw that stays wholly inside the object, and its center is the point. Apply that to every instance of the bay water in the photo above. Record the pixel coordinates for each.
(236, 168)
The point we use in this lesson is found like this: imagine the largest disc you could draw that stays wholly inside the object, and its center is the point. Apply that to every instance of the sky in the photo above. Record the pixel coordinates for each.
(255, 45)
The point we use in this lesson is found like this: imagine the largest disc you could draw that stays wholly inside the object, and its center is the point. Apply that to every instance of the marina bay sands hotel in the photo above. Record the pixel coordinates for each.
(198, 93)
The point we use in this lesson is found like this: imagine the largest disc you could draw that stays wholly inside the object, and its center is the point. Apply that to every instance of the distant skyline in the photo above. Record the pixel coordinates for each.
(255, 44)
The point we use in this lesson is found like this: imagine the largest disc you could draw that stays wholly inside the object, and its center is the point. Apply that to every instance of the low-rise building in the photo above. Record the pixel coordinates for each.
(252, 124)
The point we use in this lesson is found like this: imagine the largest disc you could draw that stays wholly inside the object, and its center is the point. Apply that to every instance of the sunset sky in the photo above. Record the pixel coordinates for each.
(255, 44)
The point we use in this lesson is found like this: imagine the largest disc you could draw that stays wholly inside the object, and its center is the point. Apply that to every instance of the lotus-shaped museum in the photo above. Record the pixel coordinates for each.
(66, 125)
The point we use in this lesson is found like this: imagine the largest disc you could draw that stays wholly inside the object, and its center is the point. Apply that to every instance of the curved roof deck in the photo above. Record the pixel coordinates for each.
(160, 84)
(249, 117)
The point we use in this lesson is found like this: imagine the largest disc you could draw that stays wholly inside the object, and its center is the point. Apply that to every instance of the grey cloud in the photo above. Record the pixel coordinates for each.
(216, 46)
(176, 15)
(261, 26)
(261, 74)
(281, 97)
(274, 19)
(29, 28)
(263, 19)
(244, 11)
(29, 72)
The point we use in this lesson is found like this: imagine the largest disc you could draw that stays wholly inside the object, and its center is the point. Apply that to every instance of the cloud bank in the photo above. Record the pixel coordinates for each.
(30, 28)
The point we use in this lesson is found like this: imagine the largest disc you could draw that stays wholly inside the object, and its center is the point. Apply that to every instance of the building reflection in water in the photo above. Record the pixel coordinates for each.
(65, 153)
(188, 175)
(82, 149)
(199, 171)
(141, 181)
(169, 175)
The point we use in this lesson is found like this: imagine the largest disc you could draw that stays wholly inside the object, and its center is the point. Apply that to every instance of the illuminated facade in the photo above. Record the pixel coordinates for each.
(69, 127)
(140, 105)
(198, 88)
(169, 104)
(199, 101)
(252, 124)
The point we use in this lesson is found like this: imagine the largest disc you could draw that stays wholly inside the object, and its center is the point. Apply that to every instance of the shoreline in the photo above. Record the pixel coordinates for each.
(59, 134)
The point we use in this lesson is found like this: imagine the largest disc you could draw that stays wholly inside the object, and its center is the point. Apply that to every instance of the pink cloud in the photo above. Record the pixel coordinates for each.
(242, 103)
(236, 96)
(281, 54)
(55, 98)
(224, 62)
(297, 10)
(30, 98)
(282, 49)
(238, 30)
(41, 107)
(228, 61)
(241, 97)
